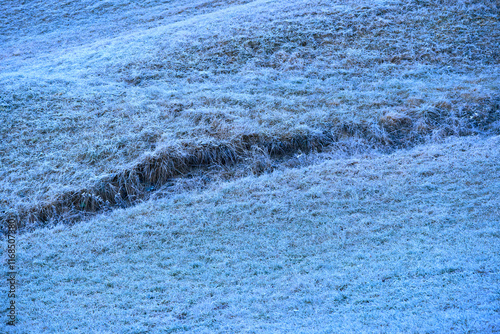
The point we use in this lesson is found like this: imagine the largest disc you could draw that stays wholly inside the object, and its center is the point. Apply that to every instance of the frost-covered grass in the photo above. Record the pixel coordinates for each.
(114, 98)
(89, 87)
(401, 243)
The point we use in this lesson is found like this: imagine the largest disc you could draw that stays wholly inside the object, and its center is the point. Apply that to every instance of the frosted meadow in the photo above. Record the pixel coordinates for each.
(251, 166)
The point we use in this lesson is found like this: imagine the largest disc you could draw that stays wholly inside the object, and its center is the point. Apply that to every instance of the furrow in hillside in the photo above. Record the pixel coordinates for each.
(249, 153)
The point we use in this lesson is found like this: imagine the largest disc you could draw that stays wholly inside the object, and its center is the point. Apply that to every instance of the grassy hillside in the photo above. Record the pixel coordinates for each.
(248, 166)
(401, 243)
(90, 91)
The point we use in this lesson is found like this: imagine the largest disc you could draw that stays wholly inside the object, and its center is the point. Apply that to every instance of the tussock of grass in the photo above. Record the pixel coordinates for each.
(407, 242)
(123, 79)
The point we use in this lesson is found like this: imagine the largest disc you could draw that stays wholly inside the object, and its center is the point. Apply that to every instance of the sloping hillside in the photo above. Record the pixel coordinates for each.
(91, 91)
(251, 166)
(401, 243)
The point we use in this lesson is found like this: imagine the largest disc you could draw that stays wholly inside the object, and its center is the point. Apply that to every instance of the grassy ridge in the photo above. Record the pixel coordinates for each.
(407, 242)
(390, 73)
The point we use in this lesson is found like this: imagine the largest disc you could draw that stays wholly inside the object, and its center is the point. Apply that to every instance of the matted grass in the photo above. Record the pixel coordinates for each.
(401, 243)
(88, 90)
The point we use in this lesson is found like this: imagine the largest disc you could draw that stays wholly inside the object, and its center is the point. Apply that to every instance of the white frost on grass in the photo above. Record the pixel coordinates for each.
(405, 243)
(400, 243)
(122, 79)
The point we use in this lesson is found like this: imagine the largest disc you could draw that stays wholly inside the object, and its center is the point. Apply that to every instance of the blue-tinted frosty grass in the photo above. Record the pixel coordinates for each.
(400, 243)
(252, 139)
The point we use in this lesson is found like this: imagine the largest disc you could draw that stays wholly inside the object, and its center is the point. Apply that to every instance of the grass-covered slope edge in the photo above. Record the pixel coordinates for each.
(399, 243)
(140, 179)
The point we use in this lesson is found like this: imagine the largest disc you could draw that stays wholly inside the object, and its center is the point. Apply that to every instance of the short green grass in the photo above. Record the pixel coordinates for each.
(122, 80)
(400, 243)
